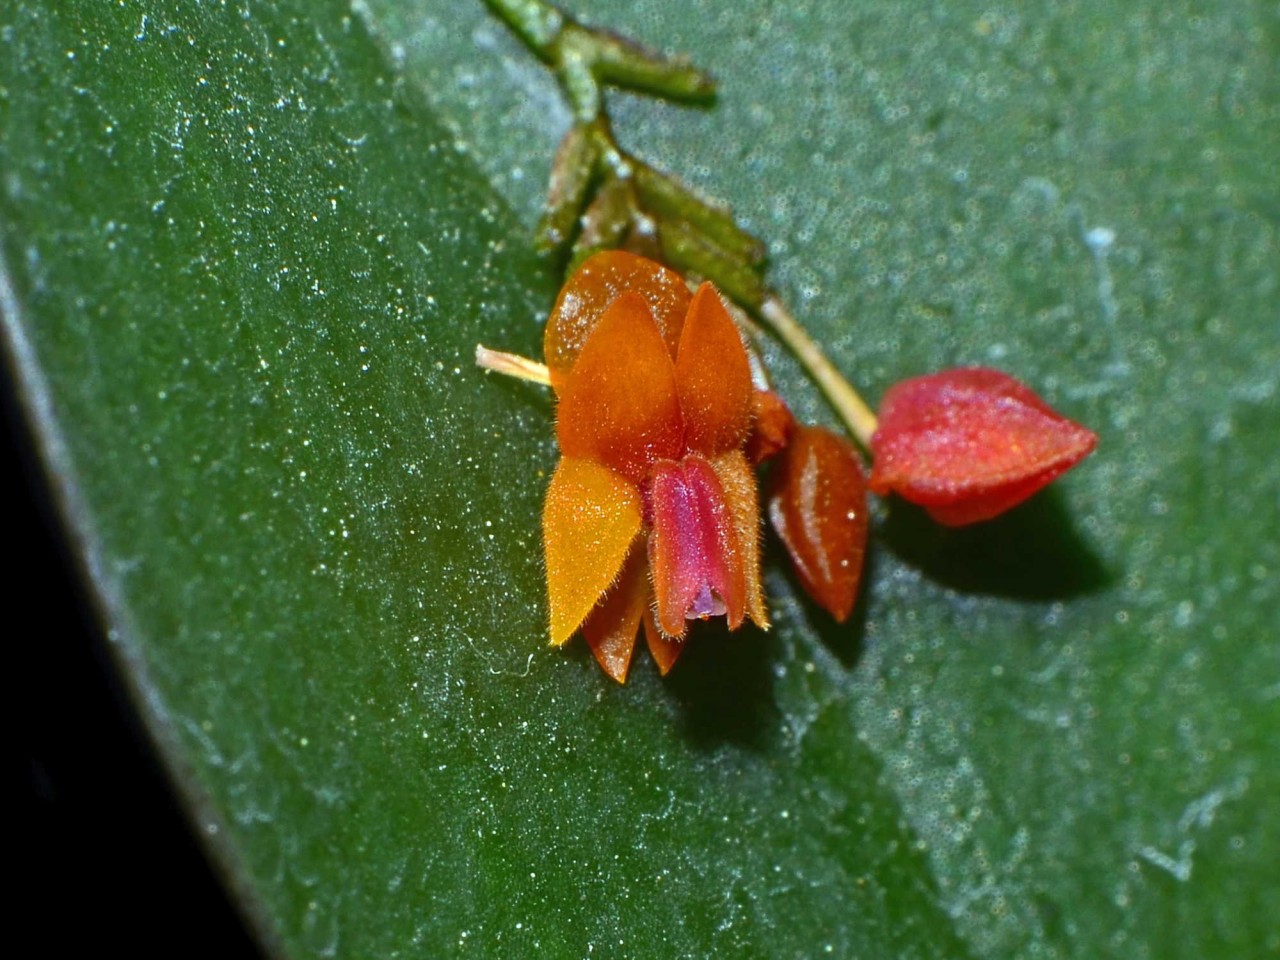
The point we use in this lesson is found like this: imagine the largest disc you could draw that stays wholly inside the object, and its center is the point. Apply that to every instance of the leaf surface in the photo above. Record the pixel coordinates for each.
(245, 263)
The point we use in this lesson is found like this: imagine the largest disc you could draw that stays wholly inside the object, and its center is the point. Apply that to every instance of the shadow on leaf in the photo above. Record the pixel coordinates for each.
(724, 685)
(845, 641)
(1030, 553)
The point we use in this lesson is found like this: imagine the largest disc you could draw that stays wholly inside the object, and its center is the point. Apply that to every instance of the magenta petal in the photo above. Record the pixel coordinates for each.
(697, 571)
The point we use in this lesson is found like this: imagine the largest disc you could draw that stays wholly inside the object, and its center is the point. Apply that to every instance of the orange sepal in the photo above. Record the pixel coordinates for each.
(743, 501)
(818, 506)
(664, 649)
(713, 377)
(602, 278)
(611, 628)
(618, 406)
(591, 517)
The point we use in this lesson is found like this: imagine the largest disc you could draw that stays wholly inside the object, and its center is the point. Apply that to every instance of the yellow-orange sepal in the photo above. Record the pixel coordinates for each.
(592, 516)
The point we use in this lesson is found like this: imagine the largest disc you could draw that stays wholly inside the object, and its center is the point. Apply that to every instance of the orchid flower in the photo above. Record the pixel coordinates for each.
(651, 516)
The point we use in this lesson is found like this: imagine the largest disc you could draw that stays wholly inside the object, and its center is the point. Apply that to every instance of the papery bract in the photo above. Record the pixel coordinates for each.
(818, 505)
(970, 443)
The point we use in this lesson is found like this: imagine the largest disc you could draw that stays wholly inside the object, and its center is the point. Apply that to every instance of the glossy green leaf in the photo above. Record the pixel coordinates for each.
(247, 253)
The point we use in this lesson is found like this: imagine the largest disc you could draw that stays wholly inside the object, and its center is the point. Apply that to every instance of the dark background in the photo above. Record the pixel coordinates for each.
(106, 854)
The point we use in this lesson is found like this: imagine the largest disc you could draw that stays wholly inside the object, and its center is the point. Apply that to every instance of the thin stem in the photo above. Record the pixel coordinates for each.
(572, 175)
(535, 22)
(513, 365)
(845, 400)
(585, 58)
(666, 196)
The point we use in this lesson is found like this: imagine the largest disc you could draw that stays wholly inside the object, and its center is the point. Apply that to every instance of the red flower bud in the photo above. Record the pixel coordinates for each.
(772, 429)
(971, 443)
(818, 506)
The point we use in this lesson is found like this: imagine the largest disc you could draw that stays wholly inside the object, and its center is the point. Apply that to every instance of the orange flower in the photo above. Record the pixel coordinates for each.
(652, 514)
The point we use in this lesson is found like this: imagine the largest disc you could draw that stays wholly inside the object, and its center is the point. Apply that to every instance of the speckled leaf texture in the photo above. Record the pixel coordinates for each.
(248, 249)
